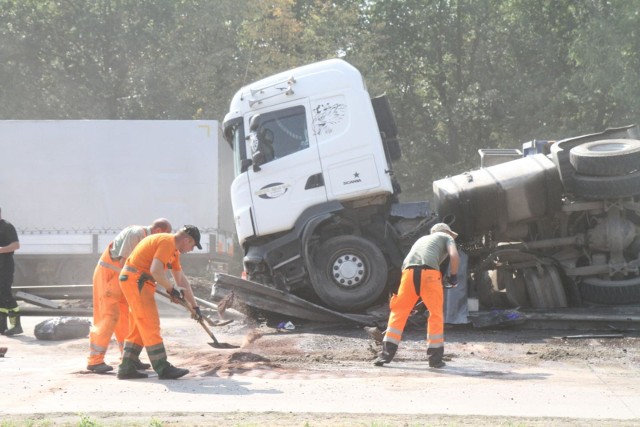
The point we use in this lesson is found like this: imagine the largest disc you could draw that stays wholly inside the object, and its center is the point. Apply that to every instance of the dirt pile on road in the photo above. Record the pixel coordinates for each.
(311, 345)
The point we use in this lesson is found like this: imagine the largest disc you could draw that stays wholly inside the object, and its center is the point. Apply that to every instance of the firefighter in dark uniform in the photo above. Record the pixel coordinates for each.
(8, 306)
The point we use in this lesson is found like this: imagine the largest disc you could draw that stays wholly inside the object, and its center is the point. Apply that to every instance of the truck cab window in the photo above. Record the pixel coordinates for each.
(283, 132)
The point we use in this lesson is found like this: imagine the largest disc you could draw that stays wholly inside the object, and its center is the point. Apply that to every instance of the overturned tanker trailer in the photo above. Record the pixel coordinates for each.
(317, 213)
(557, 228)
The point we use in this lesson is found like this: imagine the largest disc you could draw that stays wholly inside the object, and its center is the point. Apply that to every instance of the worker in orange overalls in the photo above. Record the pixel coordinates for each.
(110, 309)
(421, 278)
(143, 271)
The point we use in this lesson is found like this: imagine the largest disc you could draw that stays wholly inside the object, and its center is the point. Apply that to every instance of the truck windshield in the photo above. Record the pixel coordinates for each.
(234, 134)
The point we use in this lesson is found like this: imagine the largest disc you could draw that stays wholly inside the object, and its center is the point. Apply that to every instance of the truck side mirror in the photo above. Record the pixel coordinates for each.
(244, 165)
(257, 152)
(258, 159)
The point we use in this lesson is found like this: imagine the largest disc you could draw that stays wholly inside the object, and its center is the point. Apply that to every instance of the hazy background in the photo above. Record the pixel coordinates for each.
(461, 75)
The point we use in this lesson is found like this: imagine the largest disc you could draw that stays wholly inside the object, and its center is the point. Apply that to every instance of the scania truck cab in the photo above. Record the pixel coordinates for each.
(314, 188)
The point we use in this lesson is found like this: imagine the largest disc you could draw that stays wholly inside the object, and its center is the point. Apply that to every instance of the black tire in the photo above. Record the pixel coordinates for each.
(352, 273)
(516, 289)
(611, 292)
(560, 151)
(606, 187)
(608, 157)
(544, 288)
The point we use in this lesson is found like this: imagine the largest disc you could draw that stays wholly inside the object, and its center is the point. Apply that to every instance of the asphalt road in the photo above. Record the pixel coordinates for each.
(43, 378)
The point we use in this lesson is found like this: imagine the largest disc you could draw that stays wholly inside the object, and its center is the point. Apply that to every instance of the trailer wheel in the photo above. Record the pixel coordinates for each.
(607, 187)
(609, 157)
(352, 273)
(612, 292)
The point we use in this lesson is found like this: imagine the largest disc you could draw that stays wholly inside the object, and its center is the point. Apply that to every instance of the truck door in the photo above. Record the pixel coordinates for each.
(289, 177)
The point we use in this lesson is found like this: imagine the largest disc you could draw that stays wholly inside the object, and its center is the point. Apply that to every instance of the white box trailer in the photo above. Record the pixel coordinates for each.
(69, 186)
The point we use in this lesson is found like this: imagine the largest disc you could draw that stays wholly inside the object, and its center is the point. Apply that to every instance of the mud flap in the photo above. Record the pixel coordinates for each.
(456, 310)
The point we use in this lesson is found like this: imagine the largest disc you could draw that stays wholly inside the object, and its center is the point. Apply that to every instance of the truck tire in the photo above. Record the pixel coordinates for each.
(610, 292)
(544, 287)
(560, 151)
(516, 289)
(609, 157)
(352, 273)
(607, 187)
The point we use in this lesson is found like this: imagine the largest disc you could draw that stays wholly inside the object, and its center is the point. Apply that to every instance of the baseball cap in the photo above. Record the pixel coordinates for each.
(441, 226)
(193, 231)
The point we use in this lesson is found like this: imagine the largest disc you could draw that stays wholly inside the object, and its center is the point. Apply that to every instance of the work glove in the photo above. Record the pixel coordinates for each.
(176, 295)
(197, 314)
(451, 281)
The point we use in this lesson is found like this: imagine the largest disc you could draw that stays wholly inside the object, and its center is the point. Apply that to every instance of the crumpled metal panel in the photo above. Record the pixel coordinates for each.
(269, 299)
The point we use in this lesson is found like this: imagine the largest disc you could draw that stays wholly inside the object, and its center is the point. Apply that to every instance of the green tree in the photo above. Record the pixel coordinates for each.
(198, 66)
(74, 59)
(443, 66)
(465, 75)
(118, 59)
(283, 34)
(605, 83)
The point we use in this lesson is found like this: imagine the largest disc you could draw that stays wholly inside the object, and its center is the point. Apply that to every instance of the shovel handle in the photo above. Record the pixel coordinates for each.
(204, 326)
(186, 305)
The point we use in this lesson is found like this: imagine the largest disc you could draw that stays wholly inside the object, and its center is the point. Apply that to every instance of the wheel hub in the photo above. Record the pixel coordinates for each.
(348, 270)
(609, 146)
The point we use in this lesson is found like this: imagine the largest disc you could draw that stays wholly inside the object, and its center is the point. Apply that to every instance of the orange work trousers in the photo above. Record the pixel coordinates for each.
(144, 320)
(110, 309)
(402, 303)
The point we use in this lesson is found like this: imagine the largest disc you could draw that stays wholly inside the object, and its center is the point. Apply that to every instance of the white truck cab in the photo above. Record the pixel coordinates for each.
(309, 143)
(312, 141)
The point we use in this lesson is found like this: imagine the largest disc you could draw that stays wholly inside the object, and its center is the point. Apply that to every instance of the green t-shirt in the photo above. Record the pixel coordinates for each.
(429, 250)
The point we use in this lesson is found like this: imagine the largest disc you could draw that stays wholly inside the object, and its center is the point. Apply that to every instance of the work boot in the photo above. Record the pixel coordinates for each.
(16, 328)
(131, 374)
(172, 373)
(386, 355)
(127, 370)
(434, 355)
(140, 366)
(3, 323)
(100, 368)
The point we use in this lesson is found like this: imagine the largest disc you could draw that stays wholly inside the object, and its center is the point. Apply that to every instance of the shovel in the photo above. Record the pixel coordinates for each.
(215, 343)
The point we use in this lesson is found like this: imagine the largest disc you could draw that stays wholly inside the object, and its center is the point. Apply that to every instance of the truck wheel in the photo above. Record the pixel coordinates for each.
(517, 289)
(607, 187)
(611, 292)
(352, 273)
(609, 157)
(544, 287)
